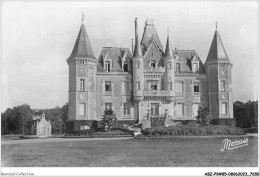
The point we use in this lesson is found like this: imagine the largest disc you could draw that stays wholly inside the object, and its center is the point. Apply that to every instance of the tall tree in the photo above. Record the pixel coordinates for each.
(64, 109)
(203, 117)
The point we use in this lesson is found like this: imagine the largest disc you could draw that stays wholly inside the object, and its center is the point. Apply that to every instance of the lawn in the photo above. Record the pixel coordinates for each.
(177, 152)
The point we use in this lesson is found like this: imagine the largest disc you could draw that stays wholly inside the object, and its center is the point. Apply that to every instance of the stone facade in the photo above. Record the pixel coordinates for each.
(151, 80)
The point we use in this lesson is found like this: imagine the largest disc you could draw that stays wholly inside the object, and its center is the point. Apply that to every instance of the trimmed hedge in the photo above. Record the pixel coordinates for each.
(192, 130)
(111, 133)
(91, 133)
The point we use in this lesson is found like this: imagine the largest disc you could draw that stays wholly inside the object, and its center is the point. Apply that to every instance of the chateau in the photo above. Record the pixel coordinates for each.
(147, 81)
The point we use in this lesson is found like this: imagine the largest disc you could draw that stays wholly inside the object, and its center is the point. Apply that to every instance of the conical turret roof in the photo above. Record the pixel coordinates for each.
(137, 50)
(82, 47)
(217, 51)
(168, 49)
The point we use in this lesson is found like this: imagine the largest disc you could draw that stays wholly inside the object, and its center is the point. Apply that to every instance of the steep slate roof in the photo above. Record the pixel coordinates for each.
(82, 47)
(186, 57)
(116, 54)
(217, 51)
(150, 34)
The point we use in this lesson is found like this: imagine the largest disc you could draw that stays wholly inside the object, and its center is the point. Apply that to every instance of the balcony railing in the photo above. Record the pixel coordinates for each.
(155, 93)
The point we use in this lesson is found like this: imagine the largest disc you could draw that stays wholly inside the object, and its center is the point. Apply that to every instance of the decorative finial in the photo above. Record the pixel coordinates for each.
(216, 25)
(82, 17)
(167, 31)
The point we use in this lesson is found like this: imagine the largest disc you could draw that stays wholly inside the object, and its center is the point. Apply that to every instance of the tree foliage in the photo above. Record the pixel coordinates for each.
(203, 117)
(108, 119)
(18, 120)
(246, 114)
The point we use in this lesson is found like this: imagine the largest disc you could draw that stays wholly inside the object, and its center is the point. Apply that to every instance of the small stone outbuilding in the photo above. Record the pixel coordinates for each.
(42, 126)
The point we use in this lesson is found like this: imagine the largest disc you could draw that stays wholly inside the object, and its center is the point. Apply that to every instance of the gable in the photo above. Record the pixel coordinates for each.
(152, 53)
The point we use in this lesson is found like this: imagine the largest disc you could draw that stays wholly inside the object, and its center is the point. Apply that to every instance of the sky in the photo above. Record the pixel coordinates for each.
(38, 37)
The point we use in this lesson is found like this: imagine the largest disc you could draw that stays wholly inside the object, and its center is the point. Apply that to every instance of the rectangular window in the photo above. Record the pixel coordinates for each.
(107, 66)
(169, 66)
(154, 86)
(195, 67)
(108, 86)
(223, 85)
(82, 84)
(180, 109)
(138, 85)
(178, 68)
(154, 109)
(126, 87)
(81, 61)
(196, 87)
(179, 87)
(126, 109)
(224, 108)
(170, 85)
(195, 109)
(138, 64)
(82, 109)
(108, 106)
(125, 66)
(84, 127)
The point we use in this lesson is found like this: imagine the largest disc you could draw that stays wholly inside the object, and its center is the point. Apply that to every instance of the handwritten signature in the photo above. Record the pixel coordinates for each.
(229, 145)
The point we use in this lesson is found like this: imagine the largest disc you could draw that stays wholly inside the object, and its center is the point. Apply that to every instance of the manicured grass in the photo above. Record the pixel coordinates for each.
(177, 152)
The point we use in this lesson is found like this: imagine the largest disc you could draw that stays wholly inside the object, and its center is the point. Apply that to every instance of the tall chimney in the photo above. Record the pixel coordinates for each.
(132, 45)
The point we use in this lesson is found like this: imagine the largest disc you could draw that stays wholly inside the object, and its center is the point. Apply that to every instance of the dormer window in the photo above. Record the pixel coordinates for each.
(138, 64)
(178, 68)
(195, 67)
(125, 66)
(153, 63)
(107, 66)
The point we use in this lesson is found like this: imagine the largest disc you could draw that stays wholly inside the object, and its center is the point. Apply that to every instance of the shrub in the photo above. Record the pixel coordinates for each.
(111, 133)
(86, 132)
(147, 131)
(192, 129)
(174, 130)
(123, 129)
(160, 130)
